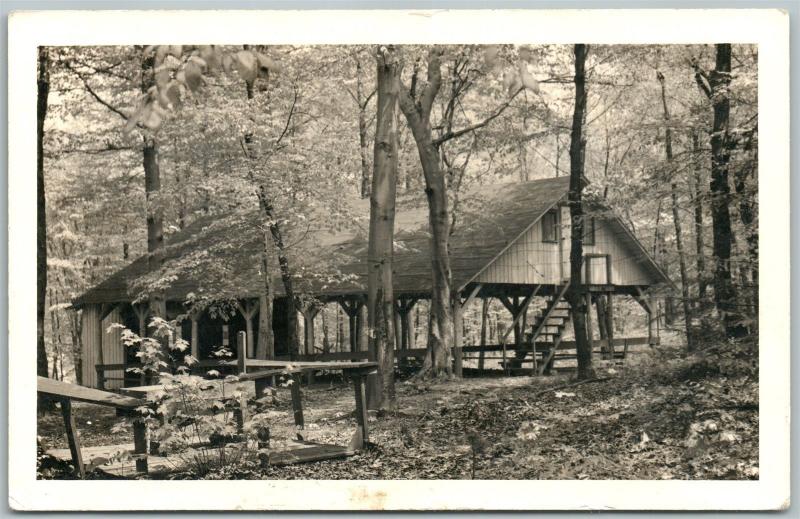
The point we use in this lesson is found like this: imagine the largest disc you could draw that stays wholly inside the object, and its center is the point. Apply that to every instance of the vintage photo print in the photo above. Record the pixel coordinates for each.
(399, 260)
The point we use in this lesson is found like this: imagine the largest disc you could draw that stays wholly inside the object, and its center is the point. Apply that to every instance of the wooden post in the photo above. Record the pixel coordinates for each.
(484, 326)
(610, 323)
(362, 418)
(589, 331)
(140, 444)
(297, 401)
(458, 332)
(195, 345)
(241, 352)
(73, 437)
(101, 376)
(240, 413)
(361, 326)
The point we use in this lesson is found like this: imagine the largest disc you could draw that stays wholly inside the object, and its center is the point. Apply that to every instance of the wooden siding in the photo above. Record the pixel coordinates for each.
(113, 353)
(529, 260)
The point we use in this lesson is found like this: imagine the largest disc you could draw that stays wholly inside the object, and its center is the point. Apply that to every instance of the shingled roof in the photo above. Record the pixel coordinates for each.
(489, 219)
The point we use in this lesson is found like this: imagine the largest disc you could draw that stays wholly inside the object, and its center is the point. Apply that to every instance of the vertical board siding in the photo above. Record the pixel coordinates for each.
(529, 260)
(90, 350)
(113, 350)
(89, 347)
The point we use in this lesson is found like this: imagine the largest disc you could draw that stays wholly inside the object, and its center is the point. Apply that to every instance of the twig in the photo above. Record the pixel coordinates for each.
(573, 384)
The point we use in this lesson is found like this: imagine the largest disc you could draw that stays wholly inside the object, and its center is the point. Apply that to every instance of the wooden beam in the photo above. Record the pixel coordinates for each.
(297, 402)
(140, 444)
(73, 437)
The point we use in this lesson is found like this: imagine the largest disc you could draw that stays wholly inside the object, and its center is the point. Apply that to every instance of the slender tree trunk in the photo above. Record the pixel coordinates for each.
(43, 91)
(698, 221)
(268, 211)
(440, 341)
(721, 145)
(265, 348)
(154, 210)
(362, 131)
(747, 214)
(575, 294)
(380, 292)
(687, 317)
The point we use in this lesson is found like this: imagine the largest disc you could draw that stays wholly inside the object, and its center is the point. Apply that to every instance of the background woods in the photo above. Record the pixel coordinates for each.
(285, 144)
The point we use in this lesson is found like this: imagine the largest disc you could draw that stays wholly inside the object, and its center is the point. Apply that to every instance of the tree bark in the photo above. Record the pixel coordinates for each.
(362, 130)
(721, 145)
(687, 316)
(265, 348)
(747, 214)
(43, 91)
(698, 222)
(268, 211)
(380, 292)
(154, 210)
(438, 360)
(575, 294)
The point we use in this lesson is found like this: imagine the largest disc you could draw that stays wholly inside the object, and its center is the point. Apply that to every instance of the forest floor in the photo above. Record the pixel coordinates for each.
(662, 416)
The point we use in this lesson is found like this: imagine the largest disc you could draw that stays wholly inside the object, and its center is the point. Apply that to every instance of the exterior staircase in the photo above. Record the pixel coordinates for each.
(546, 334)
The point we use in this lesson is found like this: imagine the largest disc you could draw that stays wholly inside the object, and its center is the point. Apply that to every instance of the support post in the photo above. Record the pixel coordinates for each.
(610, 322)
(458, 332)
(241, 352)
(195, 345)
(589, 331)
(73, 437)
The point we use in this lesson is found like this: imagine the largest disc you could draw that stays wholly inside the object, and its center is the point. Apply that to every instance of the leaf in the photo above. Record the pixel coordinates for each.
(211, 56)
(525, 54)
(162, 78)
(176, 50)
(246, 65)
(173, 94)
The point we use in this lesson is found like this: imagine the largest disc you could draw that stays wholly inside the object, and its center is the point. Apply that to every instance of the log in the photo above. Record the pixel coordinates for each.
(73, 437)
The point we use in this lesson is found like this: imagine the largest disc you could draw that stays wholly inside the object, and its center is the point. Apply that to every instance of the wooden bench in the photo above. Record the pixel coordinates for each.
(66, 393)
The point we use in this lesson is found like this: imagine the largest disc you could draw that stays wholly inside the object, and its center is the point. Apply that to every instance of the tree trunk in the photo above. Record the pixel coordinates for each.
(747, 214)
(380, 292)
(721, 144)
(43, 91)
(687, 318)
(698, 222)
(268, 210)
(265, 348)
(438, 358)
(575, 294)
(154, 210)
(362, 131)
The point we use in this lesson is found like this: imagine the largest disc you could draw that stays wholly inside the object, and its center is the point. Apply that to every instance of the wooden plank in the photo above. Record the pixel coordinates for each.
(73, 437)
(309, 454)
(60, 389)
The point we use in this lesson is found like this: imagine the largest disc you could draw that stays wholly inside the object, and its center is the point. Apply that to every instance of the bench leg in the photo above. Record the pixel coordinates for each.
(297, 402)
(140, 444)
(73, 437)
(361, 408)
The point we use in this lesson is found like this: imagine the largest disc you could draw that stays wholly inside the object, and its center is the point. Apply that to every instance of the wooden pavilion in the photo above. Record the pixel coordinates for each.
(511, 241)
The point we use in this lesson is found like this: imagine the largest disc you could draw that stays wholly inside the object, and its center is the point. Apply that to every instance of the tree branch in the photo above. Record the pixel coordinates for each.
(96, 96)
(453, 135)
(434, 83)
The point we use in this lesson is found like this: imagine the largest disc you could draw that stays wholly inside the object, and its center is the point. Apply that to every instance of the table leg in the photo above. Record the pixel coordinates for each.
(73, 437)
(140, 444)
(361, 407)
(297, 402)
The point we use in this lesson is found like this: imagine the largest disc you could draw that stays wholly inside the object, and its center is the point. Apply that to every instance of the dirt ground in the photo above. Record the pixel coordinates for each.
(660, 417)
